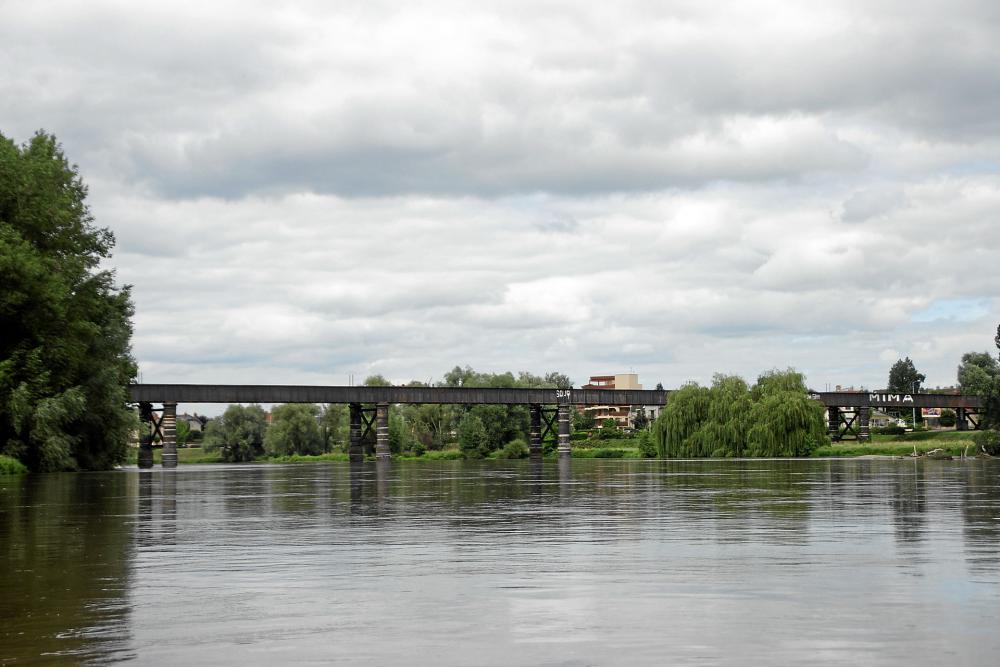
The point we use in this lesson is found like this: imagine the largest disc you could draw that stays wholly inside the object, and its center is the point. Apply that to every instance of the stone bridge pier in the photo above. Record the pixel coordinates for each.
(162, 427)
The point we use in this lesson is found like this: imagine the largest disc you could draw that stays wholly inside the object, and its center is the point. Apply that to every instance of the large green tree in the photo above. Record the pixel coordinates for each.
(979, 374)
(773, 418)
(294, 429)
(238, 433)
(65, 330)
(904, 378)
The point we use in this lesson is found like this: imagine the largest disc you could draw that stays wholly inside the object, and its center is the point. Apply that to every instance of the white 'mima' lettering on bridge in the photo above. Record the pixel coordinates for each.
(890, 398)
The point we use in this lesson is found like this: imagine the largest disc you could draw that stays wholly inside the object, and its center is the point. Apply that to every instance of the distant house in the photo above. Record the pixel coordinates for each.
(621, 414)
(195, 422)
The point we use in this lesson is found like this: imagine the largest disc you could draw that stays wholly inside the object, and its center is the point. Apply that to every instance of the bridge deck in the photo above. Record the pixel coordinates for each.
(231, 393)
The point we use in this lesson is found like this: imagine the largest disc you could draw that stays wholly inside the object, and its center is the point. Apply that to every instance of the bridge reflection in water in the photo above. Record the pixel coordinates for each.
(549, 408)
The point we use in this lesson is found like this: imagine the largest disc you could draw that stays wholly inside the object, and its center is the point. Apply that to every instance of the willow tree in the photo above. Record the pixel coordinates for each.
(685, 413)
(65, 358)
(784, 420)
(773, 418)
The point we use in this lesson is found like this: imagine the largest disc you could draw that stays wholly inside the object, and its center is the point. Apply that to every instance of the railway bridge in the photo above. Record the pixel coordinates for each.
(549, 408)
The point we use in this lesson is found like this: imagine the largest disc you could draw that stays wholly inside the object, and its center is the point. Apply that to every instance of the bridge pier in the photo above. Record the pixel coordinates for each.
(833, 423)
(535, 432)
(168, 434)
(145, 459)
(564, 441)
(864, 414)
(382, 432)
(355, 453)
(961, 420)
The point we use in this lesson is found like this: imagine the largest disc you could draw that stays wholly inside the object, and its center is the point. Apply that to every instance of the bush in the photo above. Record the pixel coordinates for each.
(609, 430)
(892, 429)
(418, 448)
(647, 447)
(11, 466)
(515, 449)
(947, 418)
(988, 441)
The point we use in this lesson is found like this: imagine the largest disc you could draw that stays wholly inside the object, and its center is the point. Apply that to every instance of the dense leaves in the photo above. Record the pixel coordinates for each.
(904, 377)
(773, 418)
(979, 374)
(65, 358)
(294, 429)
(238, 434)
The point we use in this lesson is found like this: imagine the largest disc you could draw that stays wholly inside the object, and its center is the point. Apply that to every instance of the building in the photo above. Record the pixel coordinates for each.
(622, 414)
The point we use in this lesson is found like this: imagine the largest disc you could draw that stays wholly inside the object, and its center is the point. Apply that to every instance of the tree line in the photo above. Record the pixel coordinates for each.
(243, 434)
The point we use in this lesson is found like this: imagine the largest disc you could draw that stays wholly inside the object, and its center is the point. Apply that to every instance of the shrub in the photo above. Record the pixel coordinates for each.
(11, 466)
(988, 441)
(647, 448)
(947, 418)
(515, 449)
(891, 429)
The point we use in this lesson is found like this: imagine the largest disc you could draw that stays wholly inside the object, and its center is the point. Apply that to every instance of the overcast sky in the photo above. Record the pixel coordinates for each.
(306, 191)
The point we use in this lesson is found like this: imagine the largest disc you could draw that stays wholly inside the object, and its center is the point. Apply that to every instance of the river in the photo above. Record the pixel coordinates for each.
(589, 562)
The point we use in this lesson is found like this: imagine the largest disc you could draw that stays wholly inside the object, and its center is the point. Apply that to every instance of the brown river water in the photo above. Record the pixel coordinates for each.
(589, 562)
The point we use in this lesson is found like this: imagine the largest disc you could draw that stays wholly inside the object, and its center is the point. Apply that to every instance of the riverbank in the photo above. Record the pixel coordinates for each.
(954, 443)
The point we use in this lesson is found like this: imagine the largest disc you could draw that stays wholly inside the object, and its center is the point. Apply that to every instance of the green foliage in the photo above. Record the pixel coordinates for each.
(686, 411)
(333, 425)
(376, 381)
(774, 418)
(609, 430)
(640, 421)
(904, 377)
(988, 442)
(65, 359)
(647, 447)
(515, 449)
(979, 374)
(11, 466)
(891, 429)
(294, 429)
(238, 434)
(947, 418)
(401, 436)
(183, 433)
(472, 437)
(583, 420)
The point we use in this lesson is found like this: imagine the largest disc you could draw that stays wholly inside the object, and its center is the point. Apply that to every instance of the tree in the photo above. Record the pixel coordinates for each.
(238, 433)
(333, 425)
(640, 421)
(979, 374)
(583, 420)
(773, 418)
(904, 377)
(294, 429)
(472, 437)
(377, 381)
(65, 358)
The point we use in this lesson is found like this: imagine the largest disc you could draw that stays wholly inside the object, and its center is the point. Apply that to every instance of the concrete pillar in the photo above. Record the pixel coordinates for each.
(535, 432)
(354, 450)
(864, 414)
(145, 435)
(961, 421)
(564, 446)
(833, 423)
(168, 429)
(382, 432)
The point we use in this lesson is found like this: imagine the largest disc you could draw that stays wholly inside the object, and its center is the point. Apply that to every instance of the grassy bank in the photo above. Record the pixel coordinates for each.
(184, 455)
(953, 442)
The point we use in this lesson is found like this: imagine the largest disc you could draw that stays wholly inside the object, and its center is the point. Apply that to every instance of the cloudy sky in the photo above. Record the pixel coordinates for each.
(307, 191)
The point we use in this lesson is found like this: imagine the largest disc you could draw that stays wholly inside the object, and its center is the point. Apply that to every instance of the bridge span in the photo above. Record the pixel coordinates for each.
(549, 408)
